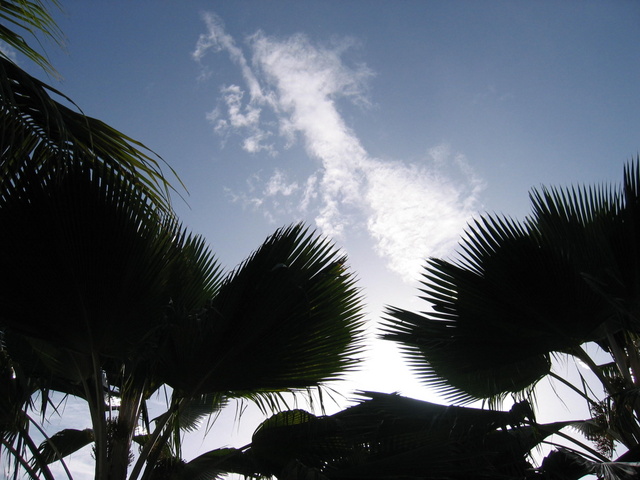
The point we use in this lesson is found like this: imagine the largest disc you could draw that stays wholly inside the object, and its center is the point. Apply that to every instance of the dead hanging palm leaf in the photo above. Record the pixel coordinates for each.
(64, 443)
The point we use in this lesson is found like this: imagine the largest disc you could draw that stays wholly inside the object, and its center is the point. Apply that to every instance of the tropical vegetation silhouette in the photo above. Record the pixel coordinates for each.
(107, 299)
(521, 296)
(526, 294)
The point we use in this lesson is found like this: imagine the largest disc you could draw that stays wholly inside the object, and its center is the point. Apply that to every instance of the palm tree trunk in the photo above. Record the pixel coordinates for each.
(95, 400)
(123, 430)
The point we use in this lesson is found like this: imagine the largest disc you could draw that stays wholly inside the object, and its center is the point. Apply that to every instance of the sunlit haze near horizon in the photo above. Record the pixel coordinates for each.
(387, 126)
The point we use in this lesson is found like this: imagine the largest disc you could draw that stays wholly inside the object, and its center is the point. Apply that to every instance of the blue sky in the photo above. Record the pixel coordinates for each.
(386, 125)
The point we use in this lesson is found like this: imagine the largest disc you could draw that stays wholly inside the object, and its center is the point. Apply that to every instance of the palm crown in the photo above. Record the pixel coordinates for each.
(523, 293)
(106, 296)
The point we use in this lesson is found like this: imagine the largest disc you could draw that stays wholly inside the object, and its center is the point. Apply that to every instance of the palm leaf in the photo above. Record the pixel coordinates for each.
(79, 246)
(569, 465)
(195, 275)
(389, 436)
(288, 317)
(64, 443)
(220, 461)
(191, 413)
(301, 436)
(519, 293)
(46, 366)
(17, 389)
(210, 465)
(93, 266)
(33, 18)
(40, 130)
(495, 347)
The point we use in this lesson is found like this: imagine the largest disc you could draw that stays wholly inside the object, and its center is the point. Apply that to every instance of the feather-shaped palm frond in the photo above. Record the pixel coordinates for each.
(37, 129)
(32, 18)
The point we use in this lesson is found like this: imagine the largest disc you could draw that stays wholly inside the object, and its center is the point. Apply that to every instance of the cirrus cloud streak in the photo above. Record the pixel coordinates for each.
(411, 210)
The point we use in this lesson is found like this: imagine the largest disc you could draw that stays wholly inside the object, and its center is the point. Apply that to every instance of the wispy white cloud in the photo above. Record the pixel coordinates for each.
(234, 115)
(410, 210)
(239, 117)
(217, 39)
(244, 116)
(271, 195)
(417, 210)
(278, 185)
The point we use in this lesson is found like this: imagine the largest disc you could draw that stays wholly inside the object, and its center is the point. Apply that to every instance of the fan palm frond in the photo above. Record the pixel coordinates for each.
(287, 318)
(522, 291)
(86, 252)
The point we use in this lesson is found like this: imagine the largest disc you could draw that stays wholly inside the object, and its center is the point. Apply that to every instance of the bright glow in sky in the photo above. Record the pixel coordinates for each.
(386, 125)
